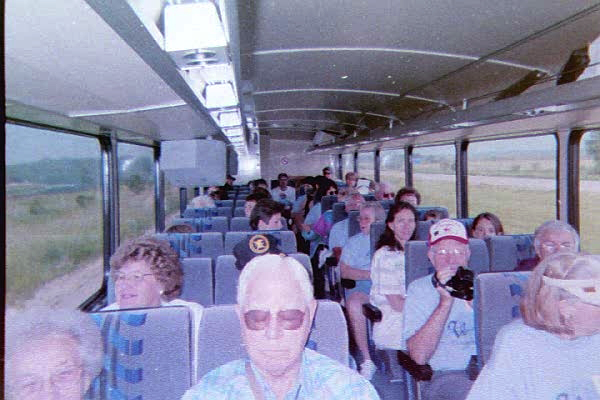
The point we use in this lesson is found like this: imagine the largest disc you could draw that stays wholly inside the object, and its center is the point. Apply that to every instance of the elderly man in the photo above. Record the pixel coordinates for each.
(551, 237)
(51, 354)
(438, 327)
(276, 308)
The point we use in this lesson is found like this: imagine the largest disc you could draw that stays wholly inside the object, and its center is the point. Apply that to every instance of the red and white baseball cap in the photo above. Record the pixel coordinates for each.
(448, 229)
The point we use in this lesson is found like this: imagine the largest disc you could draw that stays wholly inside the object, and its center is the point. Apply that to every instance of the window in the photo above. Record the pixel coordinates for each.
(514, 179)
(53, 216)
(347, 163)
(366, 165)
(136, 190)
(589, 191)
(392, 168)
(434, 176)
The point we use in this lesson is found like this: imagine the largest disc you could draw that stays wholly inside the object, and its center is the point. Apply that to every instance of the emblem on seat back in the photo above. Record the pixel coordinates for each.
(259, 244)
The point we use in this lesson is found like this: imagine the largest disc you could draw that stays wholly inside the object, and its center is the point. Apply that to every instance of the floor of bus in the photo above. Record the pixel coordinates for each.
(385, 388)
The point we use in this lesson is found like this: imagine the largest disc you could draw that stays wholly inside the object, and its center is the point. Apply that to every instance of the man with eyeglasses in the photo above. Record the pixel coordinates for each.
(439, 328)
(276, 307)
(551, 237)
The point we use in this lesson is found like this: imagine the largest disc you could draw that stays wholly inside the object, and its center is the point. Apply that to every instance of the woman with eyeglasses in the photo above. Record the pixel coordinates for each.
(553, 351)
(146, 272)
(388, 275)
(51, 354)
(355, 264)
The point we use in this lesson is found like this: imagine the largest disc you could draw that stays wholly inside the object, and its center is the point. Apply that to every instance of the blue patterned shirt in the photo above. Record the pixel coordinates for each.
(320, 378)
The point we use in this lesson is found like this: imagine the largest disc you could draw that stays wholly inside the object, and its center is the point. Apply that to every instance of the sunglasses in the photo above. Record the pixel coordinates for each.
(258, 320)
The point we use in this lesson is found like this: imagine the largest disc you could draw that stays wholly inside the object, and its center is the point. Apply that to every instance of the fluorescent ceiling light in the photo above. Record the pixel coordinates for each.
(230, 118)
(220, 96)
(192, 26)
(234, 132)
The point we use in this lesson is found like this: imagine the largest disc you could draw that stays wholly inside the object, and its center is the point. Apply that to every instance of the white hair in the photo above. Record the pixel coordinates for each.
(39, 323)
(203, 201)
(555, 226)
(277, 264)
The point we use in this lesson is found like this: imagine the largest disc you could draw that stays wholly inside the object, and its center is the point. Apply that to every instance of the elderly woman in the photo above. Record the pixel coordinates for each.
(355, 264)
(485, 225)
(147, 273)
(554, 351)
(51, 354)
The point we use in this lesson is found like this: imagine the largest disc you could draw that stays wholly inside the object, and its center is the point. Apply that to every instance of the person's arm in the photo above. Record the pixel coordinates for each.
(396, 301)
(354, 273)
(424, 342)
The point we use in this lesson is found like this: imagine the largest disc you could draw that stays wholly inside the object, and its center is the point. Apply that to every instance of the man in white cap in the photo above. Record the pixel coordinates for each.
(438, 327)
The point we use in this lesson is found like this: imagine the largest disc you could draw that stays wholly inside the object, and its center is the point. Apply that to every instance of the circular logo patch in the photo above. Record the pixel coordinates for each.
(259, 244)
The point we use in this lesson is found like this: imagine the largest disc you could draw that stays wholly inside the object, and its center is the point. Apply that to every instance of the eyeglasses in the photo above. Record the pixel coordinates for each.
(66, 378)
(447, 252)
(258, 320)
(138, 277)
(332, 192)
(551, 246)
(389, 195)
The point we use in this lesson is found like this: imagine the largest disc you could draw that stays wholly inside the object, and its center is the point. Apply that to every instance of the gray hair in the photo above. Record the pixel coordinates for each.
(277, 264)
(378, 210)
(554, 226)
(39, 323)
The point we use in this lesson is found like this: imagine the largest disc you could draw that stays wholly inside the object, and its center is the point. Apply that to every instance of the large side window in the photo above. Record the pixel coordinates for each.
(136, 190)
(589, 191)
(392, 168)
(514, 179)
(434, 176)
(366, 165)
(347, 163)
(53, 217)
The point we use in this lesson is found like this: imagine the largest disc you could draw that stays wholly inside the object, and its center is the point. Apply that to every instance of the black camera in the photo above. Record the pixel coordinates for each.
(460, 285)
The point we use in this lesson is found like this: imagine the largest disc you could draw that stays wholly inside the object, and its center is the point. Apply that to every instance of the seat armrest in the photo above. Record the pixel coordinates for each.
(418, 371)
(372, 313)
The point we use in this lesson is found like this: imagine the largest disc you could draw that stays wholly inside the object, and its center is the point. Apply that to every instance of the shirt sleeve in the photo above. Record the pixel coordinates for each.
(313, 215)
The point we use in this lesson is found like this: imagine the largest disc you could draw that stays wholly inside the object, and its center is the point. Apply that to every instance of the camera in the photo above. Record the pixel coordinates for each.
(460, 285)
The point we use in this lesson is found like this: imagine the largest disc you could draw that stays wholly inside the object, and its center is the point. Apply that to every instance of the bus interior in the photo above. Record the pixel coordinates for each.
(118, 112)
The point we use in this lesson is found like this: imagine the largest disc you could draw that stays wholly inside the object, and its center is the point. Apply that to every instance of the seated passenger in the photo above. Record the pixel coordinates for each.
(266, 216)
(551, 237)
(283, 193)
(147, 273)
(261, 183)
(439, 328)
(325, 187)
(387, 274)
(485, 225)
(203, 201)
(51, 354)
(180, 228)
(350, 180)
(355, 264)
(383, 191)
(552, 353)
(251, 200)
(276, 308)
(327, 173)
(409, 195)
(228, 183)
(338, 234)
(432, 215)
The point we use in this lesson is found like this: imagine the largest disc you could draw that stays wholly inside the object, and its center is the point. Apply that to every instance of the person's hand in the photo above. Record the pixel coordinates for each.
(444, 276)
(306, 227)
